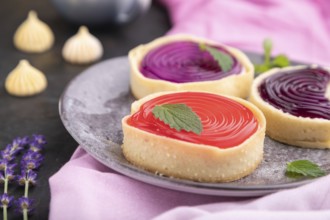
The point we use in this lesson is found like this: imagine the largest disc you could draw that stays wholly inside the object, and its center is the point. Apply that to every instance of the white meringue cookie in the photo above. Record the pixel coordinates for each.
(25, 80)
(82, 48)
(33, 35)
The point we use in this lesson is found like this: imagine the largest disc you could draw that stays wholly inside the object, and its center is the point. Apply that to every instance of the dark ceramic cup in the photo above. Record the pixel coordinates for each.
(99, 12)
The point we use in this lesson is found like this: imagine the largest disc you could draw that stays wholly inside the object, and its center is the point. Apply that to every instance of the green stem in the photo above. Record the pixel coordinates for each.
(5, 191)
(4, 212)
(267, 59)
(26, 191)
(6, 185)
(267, 45)
(25, 214)
(6, 181)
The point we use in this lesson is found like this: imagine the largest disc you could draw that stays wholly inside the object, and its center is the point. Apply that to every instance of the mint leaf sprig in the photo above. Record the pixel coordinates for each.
(278, 61)
(224, 60)
(178, 116)
(303, 168)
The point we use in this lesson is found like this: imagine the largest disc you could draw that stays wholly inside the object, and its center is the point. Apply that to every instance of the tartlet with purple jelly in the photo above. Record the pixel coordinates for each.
(179, 62)
(296, 104)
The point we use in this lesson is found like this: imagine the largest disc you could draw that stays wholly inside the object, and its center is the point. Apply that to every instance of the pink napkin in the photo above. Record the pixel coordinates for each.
(301, 29)
(85, 189)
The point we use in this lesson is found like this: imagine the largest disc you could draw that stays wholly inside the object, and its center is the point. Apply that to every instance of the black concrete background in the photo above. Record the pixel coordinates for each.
(39, 114)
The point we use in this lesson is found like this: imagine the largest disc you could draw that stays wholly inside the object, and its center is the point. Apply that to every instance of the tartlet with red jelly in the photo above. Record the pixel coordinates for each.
(228, 146)
(182, 63)
(296, 104)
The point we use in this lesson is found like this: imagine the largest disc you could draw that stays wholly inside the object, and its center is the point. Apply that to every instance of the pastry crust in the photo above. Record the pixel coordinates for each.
(235, 85)
(181, 159)
(287, 128)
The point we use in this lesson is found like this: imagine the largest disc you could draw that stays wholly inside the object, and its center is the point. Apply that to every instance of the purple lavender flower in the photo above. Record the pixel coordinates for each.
(8, 149)
(6, 200)
(9, 174)
(24, 203)
(6, 154)
(30, 155)
(29, 176)
(25, 141)
(18, 144)
(40, 139)
(21, 178)
(13, 149)
(3, 164)
(31, 160)
(11, 166)
(30, 164)
(35, 146)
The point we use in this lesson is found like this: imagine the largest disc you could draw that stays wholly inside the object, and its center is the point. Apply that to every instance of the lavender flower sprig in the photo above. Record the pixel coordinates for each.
(30, 162)
(7, 165)
(6, 202)
(7, 176)
(24, 205)
(27, 178)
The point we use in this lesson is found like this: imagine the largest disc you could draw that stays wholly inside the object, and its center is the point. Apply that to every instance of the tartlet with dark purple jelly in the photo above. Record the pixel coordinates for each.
(296, 104)
(177, 63)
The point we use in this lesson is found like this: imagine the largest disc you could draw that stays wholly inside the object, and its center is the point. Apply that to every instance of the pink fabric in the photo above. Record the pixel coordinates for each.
(85, 189)
(301, 29)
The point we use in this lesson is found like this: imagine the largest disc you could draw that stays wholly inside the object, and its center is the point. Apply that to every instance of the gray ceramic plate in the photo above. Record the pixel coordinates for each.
(91, 109)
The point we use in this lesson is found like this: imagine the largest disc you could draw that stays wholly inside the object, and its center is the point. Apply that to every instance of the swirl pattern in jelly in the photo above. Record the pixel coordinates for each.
(226, 123)
(299, 92)
(183, 62)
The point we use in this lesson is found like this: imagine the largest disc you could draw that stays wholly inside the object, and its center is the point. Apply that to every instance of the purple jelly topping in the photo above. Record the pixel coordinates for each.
(183, 62)
(298, 92)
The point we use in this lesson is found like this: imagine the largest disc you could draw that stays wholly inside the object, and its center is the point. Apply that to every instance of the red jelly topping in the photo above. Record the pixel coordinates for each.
(226, 123)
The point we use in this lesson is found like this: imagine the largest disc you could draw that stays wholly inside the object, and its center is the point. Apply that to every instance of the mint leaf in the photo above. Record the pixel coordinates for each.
(260, 68)
(301, 168)
(280, 61)
(224, 60)
(293, 175)
(178, 116)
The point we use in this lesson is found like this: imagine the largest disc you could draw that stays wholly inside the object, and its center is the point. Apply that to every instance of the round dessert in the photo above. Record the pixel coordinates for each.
(228, 147)
(184, 62)
(296, 104)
